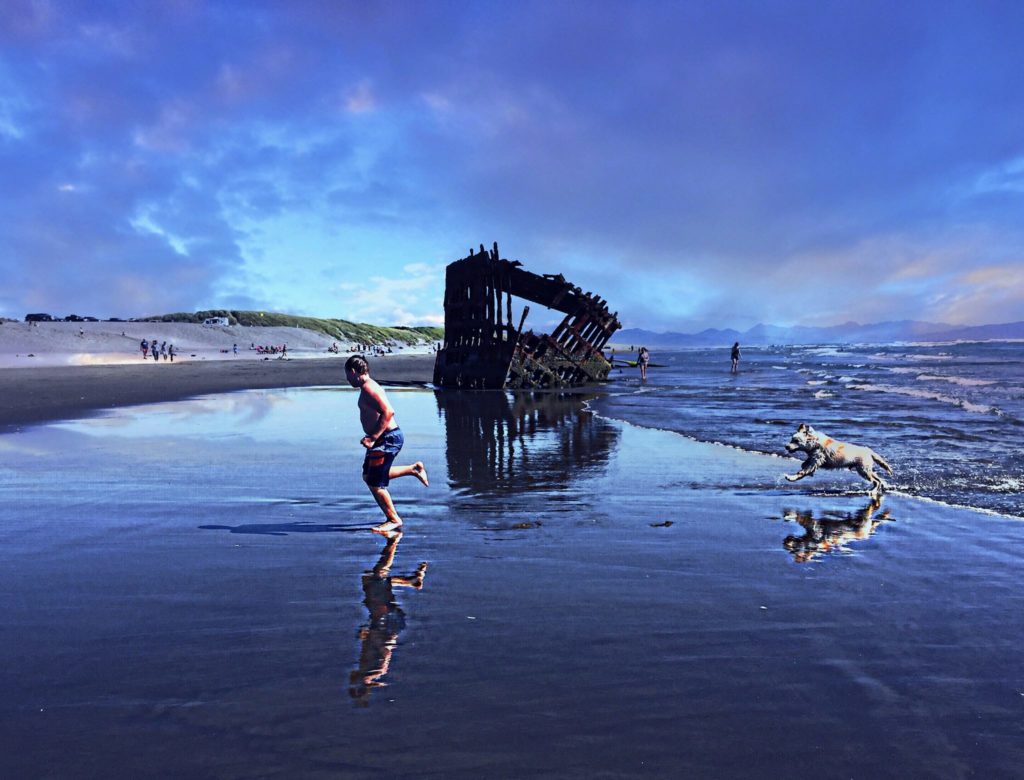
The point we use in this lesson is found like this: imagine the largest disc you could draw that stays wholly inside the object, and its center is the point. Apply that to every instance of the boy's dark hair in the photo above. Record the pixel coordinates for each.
(357, 365)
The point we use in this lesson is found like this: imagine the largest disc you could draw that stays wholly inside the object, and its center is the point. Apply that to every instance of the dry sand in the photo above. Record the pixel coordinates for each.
(32, 395)
(23, 344)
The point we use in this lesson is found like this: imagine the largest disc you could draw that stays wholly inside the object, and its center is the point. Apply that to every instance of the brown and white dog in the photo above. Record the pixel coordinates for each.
(827, 453)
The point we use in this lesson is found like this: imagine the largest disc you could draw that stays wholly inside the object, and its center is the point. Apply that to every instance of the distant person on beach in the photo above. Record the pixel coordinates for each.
(81, 332)
(383, 441)
(155, 350)
(170, 352)
(236, 349)
(643, 357)
(163, 350)
(735, 358)
(144, 346)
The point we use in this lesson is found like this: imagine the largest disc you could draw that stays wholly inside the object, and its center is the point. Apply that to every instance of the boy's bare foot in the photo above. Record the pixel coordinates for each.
(388, 529)
(420, 472)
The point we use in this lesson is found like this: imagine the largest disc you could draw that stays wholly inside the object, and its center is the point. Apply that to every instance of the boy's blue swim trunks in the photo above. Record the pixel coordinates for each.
(379, 458)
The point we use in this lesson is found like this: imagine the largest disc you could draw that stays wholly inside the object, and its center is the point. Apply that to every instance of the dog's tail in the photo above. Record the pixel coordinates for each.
(881, 462)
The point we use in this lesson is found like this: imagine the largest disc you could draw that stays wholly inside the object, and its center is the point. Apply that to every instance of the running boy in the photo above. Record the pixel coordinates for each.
(383, 441)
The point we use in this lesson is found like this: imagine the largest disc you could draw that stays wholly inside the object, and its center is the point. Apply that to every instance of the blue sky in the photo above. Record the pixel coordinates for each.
(697, 164)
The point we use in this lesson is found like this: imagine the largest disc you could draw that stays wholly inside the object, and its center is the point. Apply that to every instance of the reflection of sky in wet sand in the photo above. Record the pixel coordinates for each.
(188, 582)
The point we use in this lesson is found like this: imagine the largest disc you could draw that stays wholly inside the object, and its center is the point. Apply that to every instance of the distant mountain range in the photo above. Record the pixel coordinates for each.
(847, 333)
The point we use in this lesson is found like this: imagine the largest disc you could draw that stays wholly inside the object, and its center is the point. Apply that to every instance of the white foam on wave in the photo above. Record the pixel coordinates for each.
(952, 505)
(816, 382)
(1008, 485)
(908, 358)
(956, 380)
(967, 406)
(824, 394)
(827, 351)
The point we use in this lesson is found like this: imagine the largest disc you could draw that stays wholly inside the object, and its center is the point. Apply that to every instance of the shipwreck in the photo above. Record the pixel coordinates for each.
(486, 348)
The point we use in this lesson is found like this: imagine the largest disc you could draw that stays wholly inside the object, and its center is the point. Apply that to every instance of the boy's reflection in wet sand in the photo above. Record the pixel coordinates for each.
(822, 535)
(386, 621)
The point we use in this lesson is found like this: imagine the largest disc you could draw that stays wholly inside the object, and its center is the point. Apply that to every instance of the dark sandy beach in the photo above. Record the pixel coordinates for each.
(33, 395)
(190, 589)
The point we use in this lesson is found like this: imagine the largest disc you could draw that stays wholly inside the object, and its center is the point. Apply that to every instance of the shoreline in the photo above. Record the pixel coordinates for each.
(35, 395)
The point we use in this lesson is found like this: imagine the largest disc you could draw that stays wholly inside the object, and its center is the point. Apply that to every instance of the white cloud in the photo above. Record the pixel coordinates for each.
(412, 299)
(360, 99)
(1007, 177)
(115, 40)
(169, 132)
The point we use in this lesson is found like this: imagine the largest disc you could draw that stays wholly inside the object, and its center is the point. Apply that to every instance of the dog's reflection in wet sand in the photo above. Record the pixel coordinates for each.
(823, 535)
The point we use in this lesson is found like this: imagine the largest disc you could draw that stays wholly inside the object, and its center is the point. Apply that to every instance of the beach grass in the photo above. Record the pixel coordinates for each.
(342, 330)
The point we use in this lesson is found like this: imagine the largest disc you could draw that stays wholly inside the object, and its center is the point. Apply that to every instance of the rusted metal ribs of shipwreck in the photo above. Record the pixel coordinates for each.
(484, 348)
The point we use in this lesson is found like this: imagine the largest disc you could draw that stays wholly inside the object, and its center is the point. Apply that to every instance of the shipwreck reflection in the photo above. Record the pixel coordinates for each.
(830, 533)
(501, 443)
(386, 620)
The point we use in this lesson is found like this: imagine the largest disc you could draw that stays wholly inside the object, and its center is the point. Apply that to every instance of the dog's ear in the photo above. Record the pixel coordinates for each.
(802, 428)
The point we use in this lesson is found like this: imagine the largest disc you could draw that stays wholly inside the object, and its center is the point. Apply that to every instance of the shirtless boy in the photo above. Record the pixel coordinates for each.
(383, 441)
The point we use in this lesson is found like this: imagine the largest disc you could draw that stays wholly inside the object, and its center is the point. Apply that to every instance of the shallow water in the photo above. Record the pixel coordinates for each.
(949, 418)
(189, 589)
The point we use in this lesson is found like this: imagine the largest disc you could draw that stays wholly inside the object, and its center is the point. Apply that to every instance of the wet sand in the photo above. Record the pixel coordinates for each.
(191, 589)
(33, 395)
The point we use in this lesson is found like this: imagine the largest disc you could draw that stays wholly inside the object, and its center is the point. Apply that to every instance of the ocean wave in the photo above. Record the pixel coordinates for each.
(824, 394)
(905, 357)
(956, 380)
(964, 404)
(953, 504)
(816, 382)
(1008, 485)
(824, 351)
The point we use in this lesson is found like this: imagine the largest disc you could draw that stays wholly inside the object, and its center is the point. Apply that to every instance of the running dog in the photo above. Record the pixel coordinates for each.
(827, 453)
